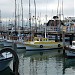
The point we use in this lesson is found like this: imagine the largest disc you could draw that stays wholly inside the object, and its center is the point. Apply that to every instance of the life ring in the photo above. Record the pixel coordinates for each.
(41, 46)
(59, 45)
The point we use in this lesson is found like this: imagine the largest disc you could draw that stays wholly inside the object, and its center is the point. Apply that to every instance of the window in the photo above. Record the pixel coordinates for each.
(73, 43)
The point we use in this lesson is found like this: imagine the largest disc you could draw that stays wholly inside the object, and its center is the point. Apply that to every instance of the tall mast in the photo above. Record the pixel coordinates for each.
(18, 16)
(35, 16)
(58, 8)
(0, 19)
(46, 11)
(22, 13)
(15, 16)
(62, 10)
(46, 20)
(30, 19)
(0, 16)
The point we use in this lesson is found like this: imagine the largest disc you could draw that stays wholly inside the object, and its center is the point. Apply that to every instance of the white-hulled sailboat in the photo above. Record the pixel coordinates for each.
(4, 61)
(70, 50)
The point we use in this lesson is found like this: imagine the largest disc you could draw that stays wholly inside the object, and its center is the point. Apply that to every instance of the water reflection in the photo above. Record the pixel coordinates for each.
(70, 63)
(69, 66)
(46, 63)
(42, 64)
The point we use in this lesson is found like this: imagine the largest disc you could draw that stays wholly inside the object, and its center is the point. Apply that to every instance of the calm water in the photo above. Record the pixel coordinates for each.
(46, 63)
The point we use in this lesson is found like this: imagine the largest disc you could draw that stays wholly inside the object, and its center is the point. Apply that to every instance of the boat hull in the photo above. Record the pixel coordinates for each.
(4, 63)
(42, 46)
(69, 53)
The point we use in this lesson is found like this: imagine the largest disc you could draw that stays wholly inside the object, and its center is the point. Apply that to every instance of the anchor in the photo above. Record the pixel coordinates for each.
(15, 61)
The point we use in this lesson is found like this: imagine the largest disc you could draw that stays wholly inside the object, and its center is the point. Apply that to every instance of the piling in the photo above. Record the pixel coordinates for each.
(56, 38)
(63, 40)
(71, 39)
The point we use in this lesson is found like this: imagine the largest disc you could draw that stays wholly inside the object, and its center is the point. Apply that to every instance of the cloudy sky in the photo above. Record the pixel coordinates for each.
(43, 7)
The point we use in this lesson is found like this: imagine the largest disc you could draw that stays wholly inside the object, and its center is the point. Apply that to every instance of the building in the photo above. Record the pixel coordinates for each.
(55, 24)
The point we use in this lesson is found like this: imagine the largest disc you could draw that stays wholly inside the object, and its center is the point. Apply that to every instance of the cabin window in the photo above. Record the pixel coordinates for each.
(40, 39)
(73, 43)
(37, 39)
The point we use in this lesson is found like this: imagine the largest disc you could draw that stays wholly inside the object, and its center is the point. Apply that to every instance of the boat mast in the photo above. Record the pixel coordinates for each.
(22, 13)
(0, 20)
(35, 17)
(0, 16)
(18, 20)
(58, 8)
(62, 10)
(30, 19)
(15, 17)
(18, 16)
(46, 21)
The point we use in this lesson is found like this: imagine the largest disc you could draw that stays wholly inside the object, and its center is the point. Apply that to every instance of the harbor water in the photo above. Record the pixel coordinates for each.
(44, 63)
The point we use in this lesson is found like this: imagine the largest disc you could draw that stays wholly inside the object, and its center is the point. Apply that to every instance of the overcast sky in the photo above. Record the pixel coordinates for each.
(43, 7)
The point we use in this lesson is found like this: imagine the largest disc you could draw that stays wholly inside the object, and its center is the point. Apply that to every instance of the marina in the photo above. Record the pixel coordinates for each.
(37, 37)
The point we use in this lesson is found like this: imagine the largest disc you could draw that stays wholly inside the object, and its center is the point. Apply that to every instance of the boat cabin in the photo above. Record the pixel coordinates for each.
(42, 39)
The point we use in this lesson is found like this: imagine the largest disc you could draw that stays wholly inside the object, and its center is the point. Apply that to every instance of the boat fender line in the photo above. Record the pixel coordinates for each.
(59, 45)
(41, 46)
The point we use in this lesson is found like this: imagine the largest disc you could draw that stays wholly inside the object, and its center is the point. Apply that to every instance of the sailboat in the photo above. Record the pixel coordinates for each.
(14, 41)
(40, 42)
(4, 62)
(5, 59)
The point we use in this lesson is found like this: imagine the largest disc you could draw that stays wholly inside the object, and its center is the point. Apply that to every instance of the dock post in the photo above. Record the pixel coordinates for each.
(71, 39)
(63, 40)
(56, 38)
